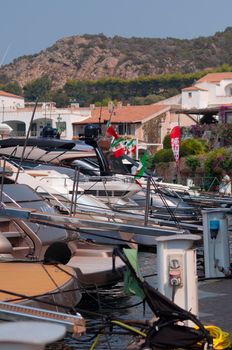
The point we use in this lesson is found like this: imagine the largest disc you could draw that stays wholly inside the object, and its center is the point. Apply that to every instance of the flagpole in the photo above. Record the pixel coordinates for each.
(137, 149)
(146, 215)
(109, 121)
(175, 145)
(99, 119)
(178, 171)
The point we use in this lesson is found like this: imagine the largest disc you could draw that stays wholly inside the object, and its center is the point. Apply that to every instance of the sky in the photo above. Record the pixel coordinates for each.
(29, 26)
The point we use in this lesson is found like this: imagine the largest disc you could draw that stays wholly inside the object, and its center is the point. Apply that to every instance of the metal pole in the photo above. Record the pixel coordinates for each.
(45, 122)
(27, 137)
(3, 111)
(76, 189)
(2, 182)
(147, 201)
(137, 149)
(73, 191)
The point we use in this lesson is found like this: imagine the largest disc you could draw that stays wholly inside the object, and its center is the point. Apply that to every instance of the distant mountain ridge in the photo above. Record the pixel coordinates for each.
(97, 56)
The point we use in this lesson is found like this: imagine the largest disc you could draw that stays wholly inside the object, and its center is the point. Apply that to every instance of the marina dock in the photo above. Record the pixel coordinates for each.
(215, 303)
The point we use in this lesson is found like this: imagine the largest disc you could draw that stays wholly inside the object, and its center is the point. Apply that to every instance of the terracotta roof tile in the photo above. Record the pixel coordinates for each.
(8, 94)
(193, 88)
(132, 114)
(215, 77)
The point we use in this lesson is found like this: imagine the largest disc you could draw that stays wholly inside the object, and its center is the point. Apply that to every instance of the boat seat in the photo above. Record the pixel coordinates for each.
(2, 219)
(13, 234)
(36, 173)
(12, 242)
(5, 245)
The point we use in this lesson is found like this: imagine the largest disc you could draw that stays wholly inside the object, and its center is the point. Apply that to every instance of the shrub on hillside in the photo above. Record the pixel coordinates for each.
(163, 156)
(38, 88)
(192, 147)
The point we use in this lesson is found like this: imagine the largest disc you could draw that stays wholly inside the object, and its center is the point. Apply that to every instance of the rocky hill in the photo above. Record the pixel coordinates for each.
(97, 56)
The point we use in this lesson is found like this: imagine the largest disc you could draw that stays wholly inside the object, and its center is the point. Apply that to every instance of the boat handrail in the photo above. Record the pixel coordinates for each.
(53, 196)
(107, 178)
(35, 239)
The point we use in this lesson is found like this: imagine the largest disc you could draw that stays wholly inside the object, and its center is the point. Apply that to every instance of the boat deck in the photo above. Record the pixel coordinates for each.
(96, 267)
(31, 279)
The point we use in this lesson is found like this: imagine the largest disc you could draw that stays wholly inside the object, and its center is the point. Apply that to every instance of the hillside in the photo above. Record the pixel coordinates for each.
(97, 56)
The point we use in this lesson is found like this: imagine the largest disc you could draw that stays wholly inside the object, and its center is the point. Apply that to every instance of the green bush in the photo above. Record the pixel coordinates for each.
(150, 163)
(164, 156)
(166, 142)
(216, 161)
(192, 147)
(226, 135)
(193, 163)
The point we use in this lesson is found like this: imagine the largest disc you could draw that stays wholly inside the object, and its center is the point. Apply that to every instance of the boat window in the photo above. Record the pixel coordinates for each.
(19, 193)
(117, 166)
(62, 170)
(87, 166)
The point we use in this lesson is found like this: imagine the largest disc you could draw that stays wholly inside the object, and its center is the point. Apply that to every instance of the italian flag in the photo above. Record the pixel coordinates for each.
(131, 147)
(118, 147)
(110, 131)
(142, 165)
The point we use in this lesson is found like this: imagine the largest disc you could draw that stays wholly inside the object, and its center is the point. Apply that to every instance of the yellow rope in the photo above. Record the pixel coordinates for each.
(135, 330)
(93, 346)
(121, 324)
(220, 338)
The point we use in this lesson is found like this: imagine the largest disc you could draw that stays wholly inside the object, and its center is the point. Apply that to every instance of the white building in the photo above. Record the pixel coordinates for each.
(214, 89)
(46, 114)
(9, 102)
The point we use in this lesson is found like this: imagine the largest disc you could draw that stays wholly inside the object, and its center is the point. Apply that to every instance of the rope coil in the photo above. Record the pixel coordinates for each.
(221, 339)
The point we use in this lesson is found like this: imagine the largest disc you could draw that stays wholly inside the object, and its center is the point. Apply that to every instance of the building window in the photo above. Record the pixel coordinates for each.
(126, 129)
(132, 129)
(189, 95)
(228, 90)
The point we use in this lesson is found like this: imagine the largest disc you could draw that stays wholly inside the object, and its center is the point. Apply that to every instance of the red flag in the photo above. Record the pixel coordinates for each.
(175, 142)
(110, 131)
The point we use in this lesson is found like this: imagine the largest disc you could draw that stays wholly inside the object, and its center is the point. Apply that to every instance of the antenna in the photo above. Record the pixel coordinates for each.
(4, 56)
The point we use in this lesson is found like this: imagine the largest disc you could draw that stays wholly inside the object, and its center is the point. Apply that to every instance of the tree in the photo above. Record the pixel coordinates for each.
(60, 98)
(38, 88)
(13, 88)
(4, 79)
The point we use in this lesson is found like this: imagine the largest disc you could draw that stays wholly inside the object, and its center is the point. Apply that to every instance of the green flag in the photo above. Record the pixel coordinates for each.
(131, 284)
(142, 165)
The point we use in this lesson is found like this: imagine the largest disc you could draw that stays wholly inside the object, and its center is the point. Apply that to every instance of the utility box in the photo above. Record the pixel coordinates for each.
(177, 275)
(216, 243)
